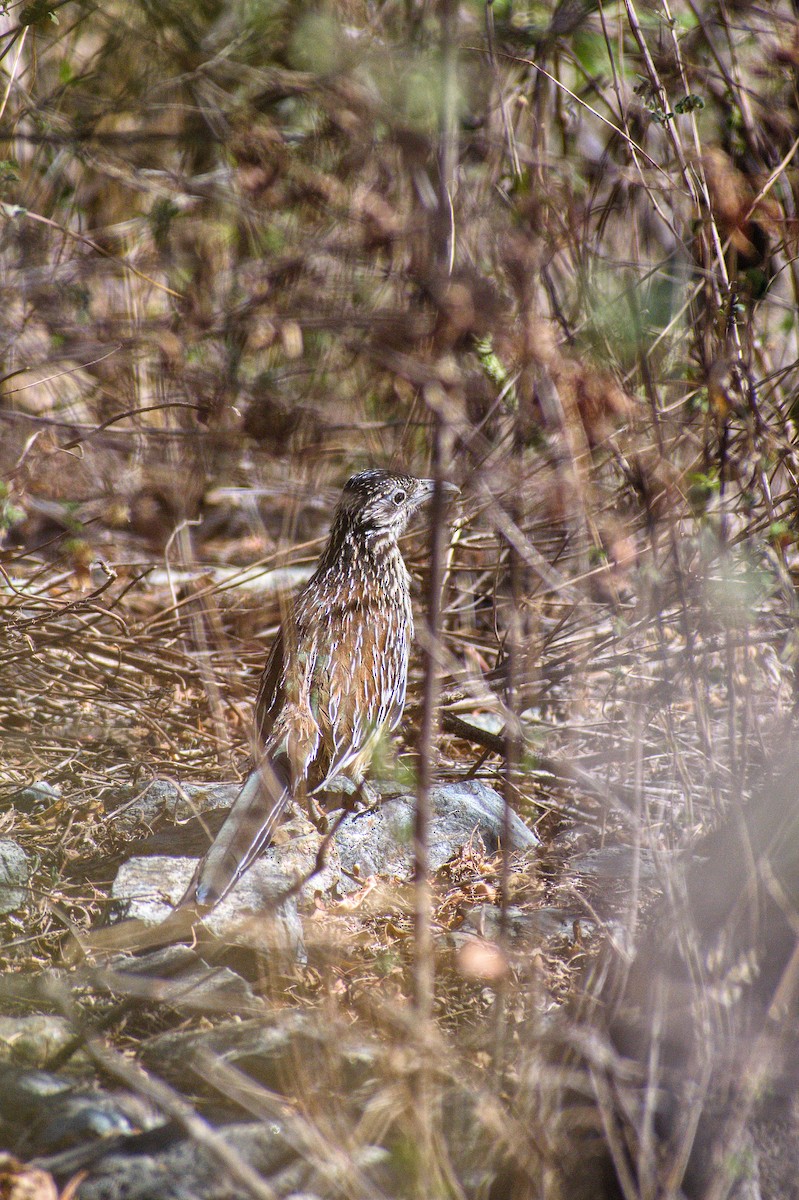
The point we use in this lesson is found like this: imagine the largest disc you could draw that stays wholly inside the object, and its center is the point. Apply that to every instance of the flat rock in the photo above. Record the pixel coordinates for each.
(614, 864)
(176, 975)
(38, 796)
(33, 1040)
(525, 927)
(14, 875)
(374, 842)
(275, 1049)
(43, 1113)
(255, 913)
(380, 840)
(178, 802)
(186, 1170)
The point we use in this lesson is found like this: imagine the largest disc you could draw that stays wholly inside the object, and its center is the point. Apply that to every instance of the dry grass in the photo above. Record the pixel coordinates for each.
(247, 250)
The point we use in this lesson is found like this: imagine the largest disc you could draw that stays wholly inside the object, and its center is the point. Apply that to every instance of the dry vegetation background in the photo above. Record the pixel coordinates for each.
(248, 247)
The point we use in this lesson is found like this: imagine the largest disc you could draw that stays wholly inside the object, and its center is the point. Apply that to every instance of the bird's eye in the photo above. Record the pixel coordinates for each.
(398, 496)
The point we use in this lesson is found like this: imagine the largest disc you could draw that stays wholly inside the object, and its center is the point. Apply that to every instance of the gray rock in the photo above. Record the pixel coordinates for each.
(276, 1049)
(614, 864)
(75, 1120)
(380, 841)
(22, 1092)
(187, 1170)
(42, 1113)
(360, 1174)
(470, 805)
(176, 975)
(14, 875)
(524, 926)
(38, 796)
(179, 802)
(253, 914)
(147, 889)
(33, 1040)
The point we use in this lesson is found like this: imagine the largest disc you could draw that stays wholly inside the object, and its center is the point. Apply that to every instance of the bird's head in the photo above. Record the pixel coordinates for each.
(382, 503)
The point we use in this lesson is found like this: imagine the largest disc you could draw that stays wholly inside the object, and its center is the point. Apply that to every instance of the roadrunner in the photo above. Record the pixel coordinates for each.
(336, 674)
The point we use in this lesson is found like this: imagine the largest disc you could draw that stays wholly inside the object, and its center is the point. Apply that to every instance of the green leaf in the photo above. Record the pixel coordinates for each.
(688, 104)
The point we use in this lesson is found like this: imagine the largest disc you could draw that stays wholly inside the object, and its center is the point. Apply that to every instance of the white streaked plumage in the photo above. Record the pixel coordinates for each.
(336, 675)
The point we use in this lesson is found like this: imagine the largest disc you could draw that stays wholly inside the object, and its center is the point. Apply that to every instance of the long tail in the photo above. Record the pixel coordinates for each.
(247, 829)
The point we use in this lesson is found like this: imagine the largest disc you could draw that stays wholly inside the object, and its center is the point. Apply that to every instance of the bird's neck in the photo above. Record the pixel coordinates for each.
(371, 551)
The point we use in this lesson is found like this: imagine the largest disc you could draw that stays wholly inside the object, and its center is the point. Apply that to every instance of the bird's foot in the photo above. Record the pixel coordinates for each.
(364, 800)
(317, 814)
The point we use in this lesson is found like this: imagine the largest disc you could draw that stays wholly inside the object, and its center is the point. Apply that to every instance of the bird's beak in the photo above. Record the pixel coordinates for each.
(448, 490)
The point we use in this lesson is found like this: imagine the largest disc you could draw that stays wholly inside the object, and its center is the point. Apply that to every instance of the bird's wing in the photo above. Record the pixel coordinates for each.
(269, 700)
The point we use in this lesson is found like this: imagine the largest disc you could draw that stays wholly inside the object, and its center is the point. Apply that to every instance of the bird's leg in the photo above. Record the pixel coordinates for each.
(351, 795)
(316, 814)
(314, 810)
(365, 799)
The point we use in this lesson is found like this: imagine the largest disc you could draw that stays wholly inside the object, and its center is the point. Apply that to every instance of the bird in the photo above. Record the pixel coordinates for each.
(335, 678)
